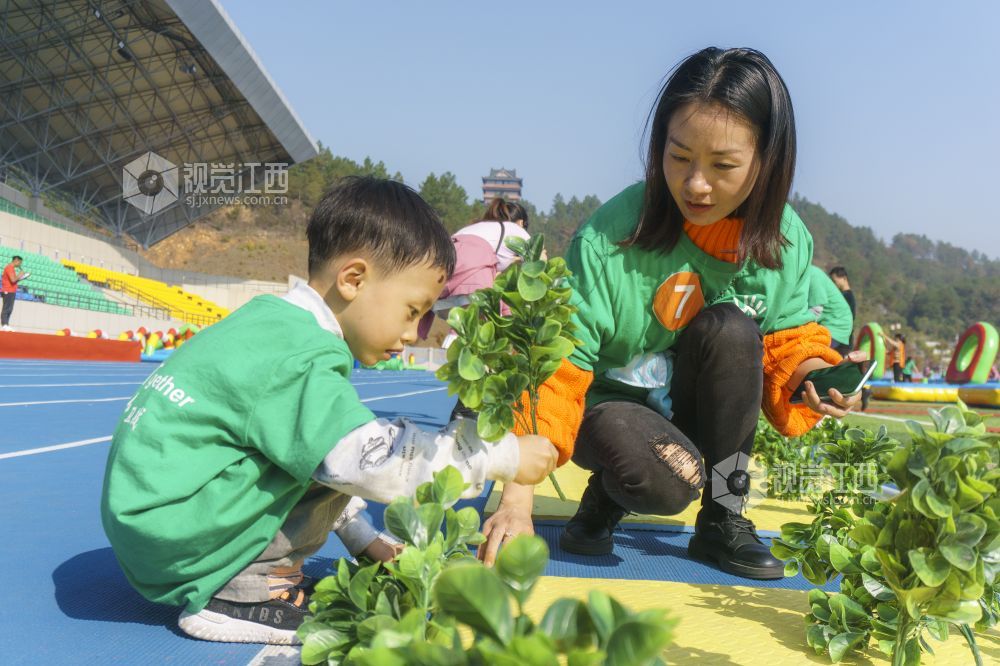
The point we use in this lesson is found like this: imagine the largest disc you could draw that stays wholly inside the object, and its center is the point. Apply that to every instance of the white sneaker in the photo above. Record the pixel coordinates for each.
(273, 622)
(7, 328)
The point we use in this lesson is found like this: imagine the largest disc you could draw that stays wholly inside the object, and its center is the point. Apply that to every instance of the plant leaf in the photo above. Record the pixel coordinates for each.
(938, 506)
(533, 268)
(521, 562)
(841, 643)
(843, 560)
(636, 642)
(431, 516)
(958, 612)
(448, 486)
(957, 553)
(531, 289)
(402, 520)
(969, 529)
(475, 596)
(930, 566)
(358, 589)
(470, 367)
(568, 623)
(319, 644)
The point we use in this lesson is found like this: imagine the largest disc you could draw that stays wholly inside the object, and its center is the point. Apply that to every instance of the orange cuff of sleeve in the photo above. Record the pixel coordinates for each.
(784, 351)
(560, 407)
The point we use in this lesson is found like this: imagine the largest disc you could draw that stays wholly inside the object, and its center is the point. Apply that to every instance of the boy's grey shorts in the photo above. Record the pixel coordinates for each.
(305, 531)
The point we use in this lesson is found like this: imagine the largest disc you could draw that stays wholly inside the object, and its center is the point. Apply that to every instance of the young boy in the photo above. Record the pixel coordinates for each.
(239, 454)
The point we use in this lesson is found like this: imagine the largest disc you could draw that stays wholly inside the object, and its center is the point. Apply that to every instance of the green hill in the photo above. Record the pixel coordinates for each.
(933, 289)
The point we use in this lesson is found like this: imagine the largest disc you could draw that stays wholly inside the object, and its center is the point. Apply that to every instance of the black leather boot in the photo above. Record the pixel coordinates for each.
(731, 540)
(589, 531)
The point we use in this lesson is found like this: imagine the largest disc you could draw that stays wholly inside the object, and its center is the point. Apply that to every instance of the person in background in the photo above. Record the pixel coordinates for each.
(480, 255)
(832, 310)
(12, 274)
(909, 369)
(895, 354)
(502, 220)
(839, 276)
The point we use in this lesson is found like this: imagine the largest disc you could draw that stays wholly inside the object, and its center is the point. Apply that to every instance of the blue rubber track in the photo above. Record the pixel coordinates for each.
(68, 602)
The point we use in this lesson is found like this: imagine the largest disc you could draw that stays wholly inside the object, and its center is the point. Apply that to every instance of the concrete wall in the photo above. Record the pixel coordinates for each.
(432, 357)
(23, 234)
(228, 292)
(33, 317)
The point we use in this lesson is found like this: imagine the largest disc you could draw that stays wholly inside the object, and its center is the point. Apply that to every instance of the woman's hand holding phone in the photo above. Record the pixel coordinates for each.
(841, 404)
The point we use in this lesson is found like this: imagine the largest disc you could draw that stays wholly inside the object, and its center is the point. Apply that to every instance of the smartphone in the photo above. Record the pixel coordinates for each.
(847, 377)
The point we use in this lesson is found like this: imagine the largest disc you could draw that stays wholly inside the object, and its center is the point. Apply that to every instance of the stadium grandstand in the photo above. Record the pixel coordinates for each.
(111, 115)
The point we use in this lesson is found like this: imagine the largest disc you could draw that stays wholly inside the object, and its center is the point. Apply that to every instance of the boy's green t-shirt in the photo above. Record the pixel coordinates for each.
(632, 302)
(219, 444)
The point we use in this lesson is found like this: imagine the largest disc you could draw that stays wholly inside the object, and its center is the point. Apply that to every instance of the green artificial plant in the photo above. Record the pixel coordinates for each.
(436, 605)
(498, 359)
(913, 559)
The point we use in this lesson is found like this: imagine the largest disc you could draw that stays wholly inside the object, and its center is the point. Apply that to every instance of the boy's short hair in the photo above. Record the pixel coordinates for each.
(382, 218)
(838, 272)
(16, 257)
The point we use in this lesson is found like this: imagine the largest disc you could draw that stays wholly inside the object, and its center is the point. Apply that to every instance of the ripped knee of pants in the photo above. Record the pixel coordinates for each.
(679, 459)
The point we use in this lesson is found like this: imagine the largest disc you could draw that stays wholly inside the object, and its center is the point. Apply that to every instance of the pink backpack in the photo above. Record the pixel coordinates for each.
(475, 268)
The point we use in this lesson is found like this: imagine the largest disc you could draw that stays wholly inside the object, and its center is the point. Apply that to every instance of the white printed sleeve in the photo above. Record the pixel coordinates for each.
(353, 528)
(383, 459)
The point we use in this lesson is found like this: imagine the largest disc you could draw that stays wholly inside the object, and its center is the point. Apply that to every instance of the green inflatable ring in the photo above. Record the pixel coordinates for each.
(974, 355)
(870, 340)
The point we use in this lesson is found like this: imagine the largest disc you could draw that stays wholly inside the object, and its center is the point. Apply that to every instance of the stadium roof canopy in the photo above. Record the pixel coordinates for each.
(88, 87)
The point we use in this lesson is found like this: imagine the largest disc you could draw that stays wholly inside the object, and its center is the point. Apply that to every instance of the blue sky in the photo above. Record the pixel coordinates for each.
(896, 103)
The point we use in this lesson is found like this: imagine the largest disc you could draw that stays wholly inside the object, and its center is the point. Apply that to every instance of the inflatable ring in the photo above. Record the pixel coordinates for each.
(974, 355)
(870, 340)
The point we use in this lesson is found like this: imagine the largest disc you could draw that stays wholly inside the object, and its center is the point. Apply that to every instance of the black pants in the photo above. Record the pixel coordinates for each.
(8, 307)
(897, 373)
(646, 460)
(841, 348)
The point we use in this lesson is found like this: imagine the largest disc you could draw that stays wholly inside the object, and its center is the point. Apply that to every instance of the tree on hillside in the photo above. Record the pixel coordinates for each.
(932, 288)
(309, 180)
(565, 218)
(449, 199)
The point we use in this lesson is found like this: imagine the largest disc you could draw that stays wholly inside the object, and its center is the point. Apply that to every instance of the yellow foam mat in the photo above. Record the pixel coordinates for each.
(915, 393)
(733, 625)
(768, 515)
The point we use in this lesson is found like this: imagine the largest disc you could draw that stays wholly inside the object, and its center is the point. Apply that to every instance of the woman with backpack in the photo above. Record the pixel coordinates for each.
(481, 254)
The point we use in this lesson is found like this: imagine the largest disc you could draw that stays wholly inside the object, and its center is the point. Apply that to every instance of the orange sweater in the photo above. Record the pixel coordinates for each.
(562, 396)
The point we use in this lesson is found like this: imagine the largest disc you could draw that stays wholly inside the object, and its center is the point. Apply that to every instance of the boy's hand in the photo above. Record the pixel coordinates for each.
(382, 550)
(538, 459)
